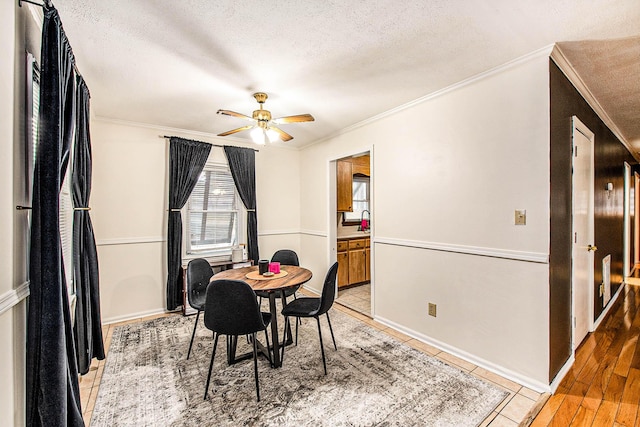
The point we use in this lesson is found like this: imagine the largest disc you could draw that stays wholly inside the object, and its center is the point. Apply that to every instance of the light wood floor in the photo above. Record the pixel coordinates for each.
(603, 386)
(515, 410)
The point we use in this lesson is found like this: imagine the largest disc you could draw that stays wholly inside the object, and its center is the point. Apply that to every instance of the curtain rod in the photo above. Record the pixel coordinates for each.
(47, 4)
(215, 145)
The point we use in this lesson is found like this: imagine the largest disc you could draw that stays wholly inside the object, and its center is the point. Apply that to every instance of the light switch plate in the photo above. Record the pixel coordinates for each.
(521, 217)
(432, 309)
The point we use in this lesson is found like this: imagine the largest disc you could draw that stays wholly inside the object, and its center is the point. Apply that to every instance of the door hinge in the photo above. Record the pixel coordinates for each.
(575, 151)
(575, 237)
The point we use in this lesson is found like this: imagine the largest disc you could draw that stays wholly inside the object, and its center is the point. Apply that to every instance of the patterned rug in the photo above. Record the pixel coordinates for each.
(373, 380)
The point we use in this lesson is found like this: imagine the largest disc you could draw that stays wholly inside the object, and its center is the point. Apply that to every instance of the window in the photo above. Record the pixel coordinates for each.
(65, 220)
(213, 214)
(66, 205)
(360, 200)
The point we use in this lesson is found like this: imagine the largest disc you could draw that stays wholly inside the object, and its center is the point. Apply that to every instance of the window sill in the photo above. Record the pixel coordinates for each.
(211, 258)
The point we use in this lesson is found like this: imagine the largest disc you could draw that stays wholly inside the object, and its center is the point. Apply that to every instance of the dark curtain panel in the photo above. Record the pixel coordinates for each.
(53, 397)
(242, 163)
(88, 323)
(186, 161)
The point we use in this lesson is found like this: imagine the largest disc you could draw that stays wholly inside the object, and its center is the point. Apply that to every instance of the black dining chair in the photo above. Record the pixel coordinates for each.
(199, 273)
(284, 257)
(231, 309)
(314, 307)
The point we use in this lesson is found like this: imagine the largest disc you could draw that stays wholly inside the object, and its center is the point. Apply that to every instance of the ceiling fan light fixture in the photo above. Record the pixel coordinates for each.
(263, 129)
(258, 136)
(272, 135)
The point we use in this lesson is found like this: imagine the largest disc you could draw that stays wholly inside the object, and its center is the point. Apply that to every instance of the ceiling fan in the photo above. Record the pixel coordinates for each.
(263, 128)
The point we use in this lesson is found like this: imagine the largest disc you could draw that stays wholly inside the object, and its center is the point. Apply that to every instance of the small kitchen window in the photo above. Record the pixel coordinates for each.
(361, 193)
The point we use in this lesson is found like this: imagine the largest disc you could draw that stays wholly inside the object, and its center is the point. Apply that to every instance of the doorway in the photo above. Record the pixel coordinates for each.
(353, 217)
(583, 246)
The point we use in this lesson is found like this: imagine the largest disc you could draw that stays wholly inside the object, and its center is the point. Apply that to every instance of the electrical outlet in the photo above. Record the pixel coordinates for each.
(432, 309)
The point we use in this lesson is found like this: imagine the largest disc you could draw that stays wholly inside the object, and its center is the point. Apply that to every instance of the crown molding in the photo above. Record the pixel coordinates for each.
(559, 58)
(206, 135)
(545, 51)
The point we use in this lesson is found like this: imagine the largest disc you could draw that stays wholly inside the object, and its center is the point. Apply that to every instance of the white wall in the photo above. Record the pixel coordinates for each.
(20, 30)
(129, 210)
(7, 346)
(448, 173)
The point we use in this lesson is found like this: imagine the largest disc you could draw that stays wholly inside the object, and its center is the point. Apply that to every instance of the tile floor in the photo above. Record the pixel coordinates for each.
(514, 411)
(358, 298)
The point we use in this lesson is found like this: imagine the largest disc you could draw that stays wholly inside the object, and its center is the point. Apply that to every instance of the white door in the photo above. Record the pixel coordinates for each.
(583, 235)
(626, 264)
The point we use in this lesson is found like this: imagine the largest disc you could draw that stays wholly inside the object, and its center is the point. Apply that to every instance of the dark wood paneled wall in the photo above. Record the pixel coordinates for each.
(610, 155)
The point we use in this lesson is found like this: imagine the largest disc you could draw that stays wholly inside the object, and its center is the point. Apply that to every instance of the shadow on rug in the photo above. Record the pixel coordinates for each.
(373, 380)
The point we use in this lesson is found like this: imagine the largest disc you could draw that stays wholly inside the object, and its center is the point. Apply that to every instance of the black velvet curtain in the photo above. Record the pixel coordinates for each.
(242, 163)
(186, 161)
(53, 397)
(88, 324)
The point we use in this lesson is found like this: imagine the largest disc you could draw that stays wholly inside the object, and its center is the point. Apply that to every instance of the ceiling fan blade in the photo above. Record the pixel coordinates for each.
(283, 135)
(235, 130)
(234, 114)
(294, 119)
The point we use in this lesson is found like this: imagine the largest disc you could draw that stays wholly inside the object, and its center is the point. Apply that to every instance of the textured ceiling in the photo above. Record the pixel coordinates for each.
(175, 63)
(611, 71)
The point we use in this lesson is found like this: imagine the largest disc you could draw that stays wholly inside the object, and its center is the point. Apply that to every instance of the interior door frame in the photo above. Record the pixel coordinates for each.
(627, 264)
(332, 226)
(636, 220)
(578, 126)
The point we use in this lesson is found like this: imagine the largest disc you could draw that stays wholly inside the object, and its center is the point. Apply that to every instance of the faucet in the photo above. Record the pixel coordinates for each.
(364, 223)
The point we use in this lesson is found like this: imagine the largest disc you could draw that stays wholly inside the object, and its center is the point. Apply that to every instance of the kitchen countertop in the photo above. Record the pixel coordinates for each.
(359, 235)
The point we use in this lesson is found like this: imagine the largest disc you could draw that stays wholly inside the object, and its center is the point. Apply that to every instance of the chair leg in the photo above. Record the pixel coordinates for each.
(324, 362)
(298, 319)
(287, 327)
(193, 334)
(255, 365)
(213, 355)
(331, 329)
(297, 331)
(266, 337)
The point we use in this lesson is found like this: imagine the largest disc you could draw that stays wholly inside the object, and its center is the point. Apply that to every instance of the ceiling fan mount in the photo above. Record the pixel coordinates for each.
(263, 121)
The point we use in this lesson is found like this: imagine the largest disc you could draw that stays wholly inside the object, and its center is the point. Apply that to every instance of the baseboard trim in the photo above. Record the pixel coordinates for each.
(537, 257)
(10, 299)
(482, 363)
(561, 373)
(135, 316)
(606, 310)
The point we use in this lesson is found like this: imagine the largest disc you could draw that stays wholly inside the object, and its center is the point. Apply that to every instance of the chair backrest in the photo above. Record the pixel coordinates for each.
(231, 308)
(286, 257)
(328, 290)
(199, 273)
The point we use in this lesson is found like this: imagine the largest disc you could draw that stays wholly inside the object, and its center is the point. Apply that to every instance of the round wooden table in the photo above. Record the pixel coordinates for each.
(295, 276)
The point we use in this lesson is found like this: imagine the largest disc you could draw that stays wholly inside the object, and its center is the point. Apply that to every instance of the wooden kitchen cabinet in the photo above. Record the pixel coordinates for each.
(344, 186)
(343, 263)
(354, 262)
(360, 165)
(367, 257)
(357, 262)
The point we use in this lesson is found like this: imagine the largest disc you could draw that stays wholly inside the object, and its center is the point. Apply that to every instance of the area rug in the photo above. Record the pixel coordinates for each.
(373, 380)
